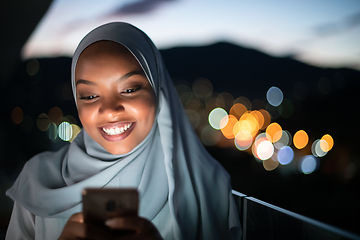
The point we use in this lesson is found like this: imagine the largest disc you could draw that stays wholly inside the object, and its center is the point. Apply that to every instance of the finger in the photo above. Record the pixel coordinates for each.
(134, 223)
(75, 228)
(77, 217)
(97, 232)
(135, 228)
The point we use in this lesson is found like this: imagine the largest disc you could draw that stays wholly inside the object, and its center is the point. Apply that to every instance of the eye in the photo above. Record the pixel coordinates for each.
(90, 97)
(131, 90)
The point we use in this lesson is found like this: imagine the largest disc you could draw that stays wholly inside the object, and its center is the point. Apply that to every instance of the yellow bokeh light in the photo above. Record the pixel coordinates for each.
(17, 115)
(75, 131)
(227, 130)
(327, 143)
(301, 139)
(238, 110)
(274, 132)
(251, 125)
(259, 118)
(42, 122)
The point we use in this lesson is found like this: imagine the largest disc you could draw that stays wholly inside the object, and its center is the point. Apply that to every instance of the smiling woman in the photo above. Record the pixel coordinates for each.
(114, 97)
(135, 134)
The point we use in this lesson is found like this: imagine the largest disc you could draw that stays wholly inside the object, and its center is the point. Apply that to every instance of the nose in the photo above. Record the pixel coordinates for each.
(111, 107)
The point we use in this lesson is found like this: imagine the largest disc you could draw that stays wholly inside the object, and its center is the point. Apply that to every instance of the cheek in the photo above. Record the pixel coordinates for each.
(144, 109)
(86, 116)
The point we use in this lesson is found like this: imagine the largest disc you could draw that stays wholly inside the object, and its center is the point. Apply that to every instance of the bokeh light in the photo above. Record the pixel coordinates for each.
(194, 117)
(70, 119)
(17, 115)
(327, 143)
(265, 150)
(209, 136)
(215, 118)
(300, 139)
(308, 164)
(244, 101)
(267, 118)
(270, 164)
(202, 88)
(274, 96)
(184, 92)
(52, 131)
(65, 131)
(243, 140)
(75, 131)
(194, 104)
(227, 130)
(42, 122)
(285, 139)
(247, 123)
(274, 132)
(237, 110)
(56, 115)
(316, 149)
(285, 155)
(32, 67)
(225, 100)
(259, 118)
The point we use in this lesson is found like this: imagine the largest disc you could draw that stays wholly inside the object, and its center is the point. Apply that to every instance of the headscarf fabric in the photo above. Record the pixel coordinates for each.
(169, 165)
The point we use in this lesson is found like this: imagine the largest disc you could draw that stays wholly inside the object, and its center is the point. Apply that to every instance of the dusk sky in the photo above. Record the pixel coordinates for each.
(321, 32)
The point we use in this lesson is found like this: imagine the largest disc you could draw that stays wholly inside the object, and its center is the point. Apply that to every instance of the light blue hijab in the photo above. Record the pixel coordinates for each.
(169, 167)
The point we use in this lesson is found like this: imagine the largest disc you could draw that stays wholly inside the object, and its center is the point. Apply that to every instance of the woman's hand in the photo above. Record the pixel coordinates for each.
(135, 226)
(75, 228)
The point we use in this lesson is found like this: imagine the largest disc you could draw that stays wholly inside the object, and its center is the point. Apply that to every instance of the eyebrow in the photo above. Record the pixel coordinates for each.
(124, 77)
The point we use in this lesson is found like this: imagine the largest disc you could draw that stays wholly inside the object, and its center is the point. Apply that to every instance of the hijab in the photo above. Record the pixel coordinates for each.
(169, 166)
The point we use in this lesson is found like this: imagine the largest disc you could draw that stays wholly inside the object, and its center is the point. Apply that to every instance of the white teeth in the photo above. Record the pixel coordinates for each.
(117, 130)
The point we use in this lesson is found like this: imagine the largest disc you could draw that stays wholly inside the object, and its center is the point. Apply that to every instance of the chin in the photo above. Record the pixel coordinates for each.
(118, 150)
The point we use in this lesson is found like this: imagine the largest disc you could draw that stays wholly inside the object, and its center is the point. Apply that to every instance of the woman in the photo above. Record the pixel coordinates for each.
(135, 134)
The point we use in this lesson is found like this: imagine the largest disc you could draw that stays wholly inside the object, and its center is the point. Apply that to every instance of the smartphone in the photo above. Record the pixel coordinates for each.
(100, 204)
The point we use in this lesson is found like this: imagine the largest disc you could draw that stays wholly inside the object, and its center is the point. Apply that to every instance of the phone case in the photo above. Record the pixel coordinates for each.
(100, 204)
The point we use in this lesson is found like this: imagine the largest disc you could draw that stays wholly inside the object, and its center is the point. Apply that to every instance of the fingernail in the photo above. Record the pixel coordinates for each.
(110, 222)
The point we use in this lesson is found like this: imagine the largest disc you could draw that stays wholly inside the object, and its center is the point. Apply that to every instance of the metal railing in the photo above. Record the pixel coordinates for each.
(261, 220)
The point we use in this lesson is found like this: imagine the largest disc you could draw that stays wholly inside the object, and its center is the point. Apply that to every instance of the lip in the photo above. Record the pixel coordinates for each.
(118, 137)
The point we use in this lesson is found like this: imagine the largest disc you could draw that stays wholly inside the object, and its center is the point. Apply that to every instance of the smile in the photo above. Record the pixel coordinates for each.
(116, 130)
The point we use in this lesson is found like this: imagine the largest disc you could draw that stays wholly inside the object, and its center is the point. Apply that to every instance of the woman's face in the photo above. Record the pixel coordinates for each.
(116, 103)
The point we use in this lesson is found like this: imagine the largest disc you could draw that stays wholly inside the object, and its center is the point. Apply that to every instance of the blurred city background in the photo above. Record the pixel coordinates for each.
(271, 88)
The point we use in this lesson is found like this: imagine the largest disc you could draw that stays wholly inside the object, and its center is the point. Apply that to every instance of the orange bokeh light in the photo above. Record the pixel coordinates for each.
(272, 132)
(238, 110)
(300, 139)
(17, 115)
(56, 115)
(259, 118)
(267, 118)
(227, 130)
(330, 143)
